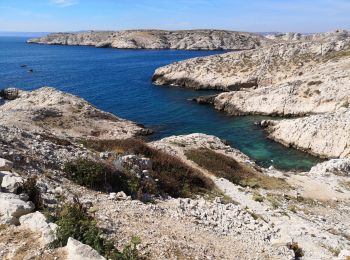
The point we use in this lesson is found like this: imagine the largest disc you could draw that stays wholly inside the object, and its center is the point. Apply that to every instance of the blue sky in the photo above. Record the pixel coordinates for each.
(243, 15)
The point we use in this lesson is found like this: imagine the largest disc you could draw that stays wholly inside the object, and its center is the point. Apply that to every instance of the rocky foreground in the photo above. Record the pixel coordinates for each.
(296, 76)
(157, 39)
(229, 208)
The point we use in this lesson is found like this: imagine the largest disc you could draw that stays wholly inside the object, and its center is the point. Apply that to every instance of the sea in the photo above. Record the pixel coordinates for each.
(119, 81)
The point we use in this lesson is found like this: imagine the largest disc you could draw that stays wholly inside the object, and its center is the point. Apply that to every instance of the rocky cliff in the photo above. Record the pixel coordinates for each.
(156, 39)
(325, 135)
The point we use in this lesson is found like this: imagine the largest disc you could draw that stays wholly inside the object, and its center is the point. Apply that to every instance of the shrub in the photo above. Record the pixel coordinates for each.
(95, 175)
(175, 178)
(73, 221)
(226, 167)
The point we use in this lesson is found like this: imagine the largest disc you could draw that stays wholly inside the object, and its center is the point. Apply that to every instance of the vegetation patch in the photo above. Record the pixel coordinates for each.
(73, 221)
(173, 176)
(258, 197)
(226, 167)
(96, 175)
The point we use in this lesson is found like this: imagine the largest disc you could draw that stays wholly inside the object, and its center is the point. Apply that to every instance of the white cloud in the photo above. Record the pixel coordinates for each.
(65, 3)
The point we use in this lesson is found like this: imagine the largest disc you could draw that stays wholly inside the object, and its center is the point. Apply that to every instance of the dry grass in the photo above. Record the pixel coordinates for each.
(240, 174)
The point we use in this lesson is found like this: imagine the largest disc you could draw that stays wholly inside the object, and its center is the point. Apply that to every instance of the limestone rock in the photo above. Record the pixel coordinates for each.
(12, 208)
(11, 181)
(5, 165)
(37, 223)
(50, 110)
(157, 39)
(79, 251)
(325, 135)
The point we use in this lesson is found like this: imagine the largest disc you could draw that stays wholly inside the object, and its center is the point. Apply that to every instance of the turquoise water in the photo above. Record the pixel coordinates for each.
(119, 81)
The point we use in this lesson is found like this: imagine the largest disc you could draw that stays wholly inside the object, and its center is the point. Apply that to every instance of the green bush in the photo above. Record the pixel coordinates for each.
(74, 221)
(95, 175)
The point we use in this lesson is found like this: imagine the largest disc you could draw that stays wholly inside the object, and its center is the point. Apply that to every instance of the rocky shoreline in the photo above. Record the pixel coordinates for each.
(293, 77)
(157, 39)
(268, 214)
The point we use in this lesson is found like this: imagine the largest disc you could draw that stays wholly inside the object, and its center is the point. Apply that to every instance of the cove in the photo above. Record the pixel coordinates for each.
(119, 81)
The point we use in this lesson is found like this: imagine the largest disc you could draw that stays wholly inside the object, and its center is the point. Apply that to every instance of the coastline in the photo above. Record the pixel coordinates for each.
(259, 213)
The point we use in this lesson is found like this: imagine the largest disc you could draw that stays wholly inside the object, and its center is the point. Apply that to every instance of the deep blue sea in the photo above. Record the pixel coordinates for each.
(119, 81)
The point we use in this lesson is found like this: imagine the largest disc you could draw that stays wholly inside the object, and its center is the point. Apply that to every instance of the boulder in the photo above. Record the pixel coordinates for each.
(5, 165)
(11, 182)
(12, 208)
(79, 251)
(37, 223)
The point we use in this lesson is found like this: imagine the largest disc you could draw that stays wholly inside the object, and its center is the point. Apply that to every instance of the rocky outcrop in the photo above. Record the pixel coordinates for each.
(12, 207)
(37, 222)
(265, 66)
(79, 251)
(326, 135)
(340, 167)
(322, 89)
(156, 39)
(52, 111)
(10, 181)
(5, 165)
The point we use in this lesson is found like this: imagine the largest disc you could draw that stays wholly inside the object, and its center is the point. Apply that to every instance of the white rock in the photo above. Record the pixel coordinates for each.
(12, 208)
(112, 196)
(334, 166)
(5, 165)
(79, 251)
(121, 195)
(37, 223)
(11, 181)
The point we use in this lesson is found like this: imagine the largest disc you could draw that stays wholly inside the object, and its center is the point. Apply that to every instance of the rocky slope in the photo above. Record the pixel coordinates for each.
(249, 222)
(255, 68)
(156, 39)
(52, 111)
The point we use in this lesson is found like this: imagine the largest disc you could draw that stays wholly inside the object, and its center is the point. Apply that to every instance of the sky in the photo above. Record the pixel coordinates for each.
(241, 15)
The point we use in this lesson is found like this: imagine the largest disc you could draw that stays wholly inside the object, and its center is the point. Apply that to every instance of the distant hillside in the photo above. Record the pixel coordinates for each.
(158, 39)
